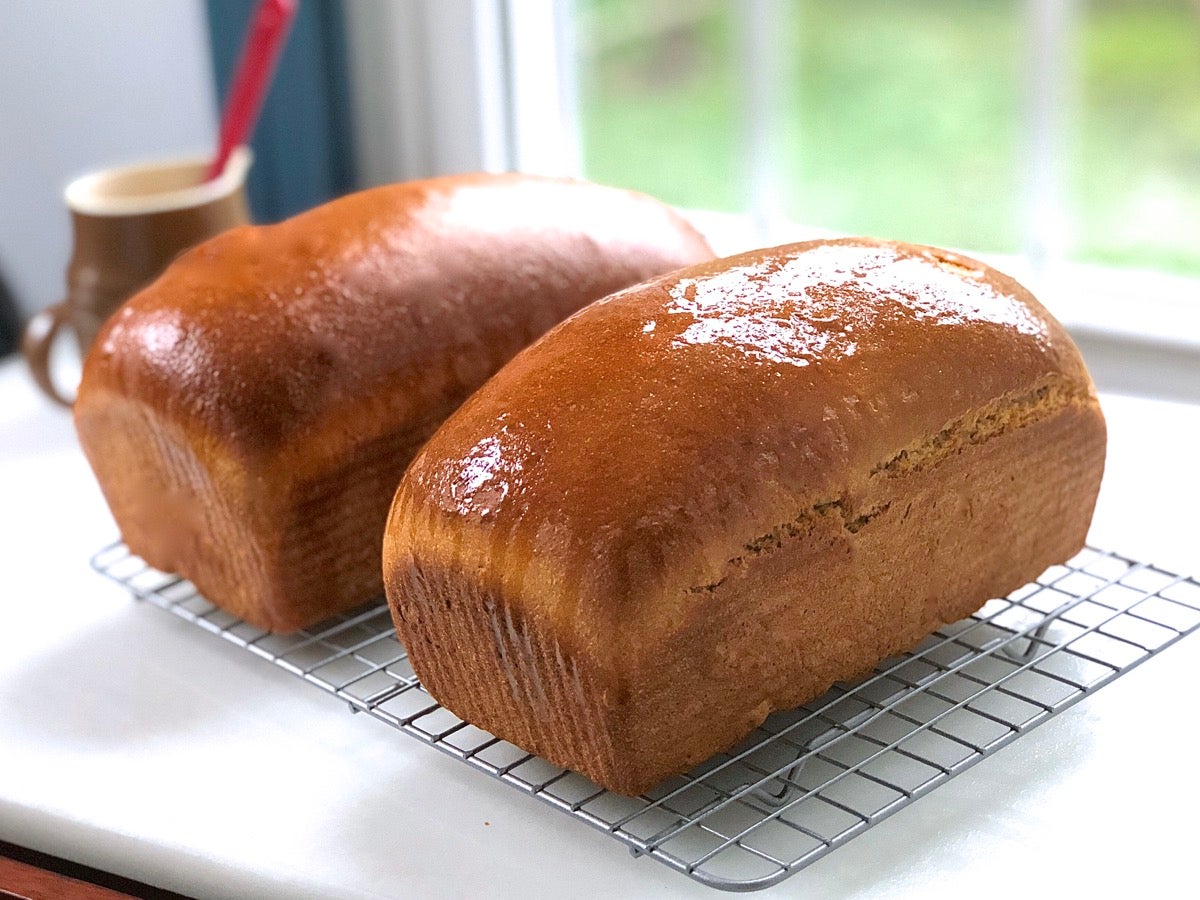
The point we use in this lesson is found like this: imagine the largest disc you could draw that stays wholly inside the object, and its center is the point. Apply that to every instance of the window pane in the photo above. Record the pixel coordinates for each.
(1136, 184)
(893, 119)
(909, 125)
(657, 93)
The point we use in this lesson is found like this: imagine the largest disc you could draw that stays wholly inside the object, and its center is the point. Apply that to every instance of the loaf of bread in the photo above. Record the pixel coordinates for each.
(713, 495)
(249, 415)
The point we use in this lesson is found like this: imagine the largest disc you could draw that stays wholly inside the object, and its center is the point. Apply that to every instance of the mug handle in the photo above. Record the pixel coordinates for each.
(36, 342)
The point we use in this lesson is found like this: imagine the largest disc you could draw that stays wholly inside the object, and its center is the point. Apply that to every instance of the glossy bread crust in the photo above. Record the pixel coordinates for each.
(711, 496)
(249, 414)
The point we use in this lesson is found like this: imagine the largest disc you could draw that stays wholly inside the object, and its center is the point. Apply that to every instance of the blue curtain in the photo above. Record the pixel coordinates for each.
(303, 144)
(10, 325)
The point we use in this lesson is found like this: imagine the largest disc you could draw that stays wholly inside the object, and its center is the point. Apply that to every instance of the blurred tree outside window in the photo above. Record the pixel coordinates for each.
(909, 119)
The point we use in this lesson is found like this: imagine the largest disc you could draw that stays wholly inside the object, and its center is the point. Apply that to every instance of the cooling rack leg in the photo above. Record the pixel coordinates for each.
(787, 784)
(1037, 638)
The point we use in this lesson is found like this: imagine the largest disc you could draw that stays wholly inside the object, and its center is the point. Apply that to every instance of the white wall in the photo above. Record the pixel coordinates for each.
(85, 85)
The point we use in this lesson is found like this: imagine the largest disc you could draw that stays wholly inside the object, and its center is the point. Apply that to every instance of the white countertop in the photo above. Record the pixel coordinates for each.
(132, 742)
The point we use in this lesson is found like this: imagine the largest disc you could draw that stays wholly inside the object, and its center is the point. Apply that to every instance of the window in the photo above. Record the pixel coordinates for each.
(1067, 130)
(1060, 139)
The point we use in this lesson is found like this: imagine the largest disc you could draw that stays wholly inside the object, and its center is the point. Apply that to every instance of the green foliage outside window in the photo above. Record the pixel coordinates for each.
(906, 118)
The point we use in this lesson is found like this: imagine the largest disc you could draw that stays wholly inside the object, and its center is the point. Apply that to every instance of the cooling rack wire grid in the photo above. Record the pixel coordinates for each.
(806, 781)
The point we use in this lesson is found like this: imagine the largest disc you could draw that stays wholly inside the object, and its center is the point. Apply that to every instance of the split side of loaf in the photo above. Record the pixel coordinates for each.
(249, 415)
(716, 494)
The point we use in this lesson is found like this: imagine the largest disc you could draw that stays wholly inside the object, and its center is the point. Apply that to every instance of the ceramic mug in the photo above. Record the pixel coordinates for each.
(129, 223)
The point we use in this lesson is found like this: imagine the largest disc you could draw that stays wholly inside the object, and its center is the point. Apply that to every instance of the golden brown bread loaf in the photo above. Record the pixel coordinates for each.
(713, 495)
(249, 414)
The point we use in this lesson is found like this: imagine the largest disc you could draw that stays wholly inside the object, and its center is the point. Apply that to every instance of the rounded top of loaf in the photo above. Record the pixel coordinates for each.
(636, 447)
(373, 308)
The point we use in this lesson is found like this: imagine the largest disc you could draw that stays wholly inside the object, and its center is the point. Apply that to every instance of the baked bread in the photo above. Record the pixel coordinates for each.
(714, 495)
(250, 413)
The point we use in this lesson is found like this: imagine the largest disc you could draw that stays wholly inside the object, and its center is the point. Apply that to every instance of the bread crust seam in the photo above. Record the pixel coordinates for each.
(1002, 415)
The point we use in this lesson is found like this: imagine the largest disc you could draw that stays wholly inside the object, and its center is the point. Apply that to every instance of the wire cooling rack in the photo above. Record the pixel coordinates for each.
(809, 780)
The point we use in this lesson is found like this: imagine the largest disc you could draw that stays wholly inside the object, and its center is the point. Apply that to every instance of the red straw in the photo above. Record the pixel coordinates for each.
(253, 76)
